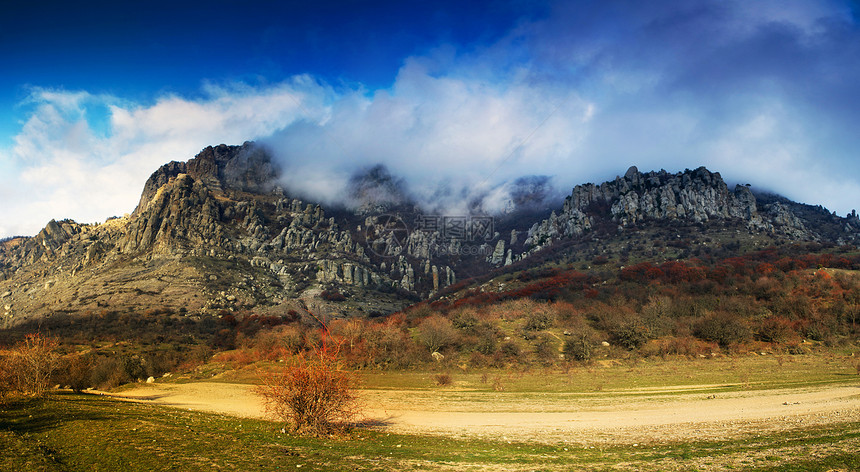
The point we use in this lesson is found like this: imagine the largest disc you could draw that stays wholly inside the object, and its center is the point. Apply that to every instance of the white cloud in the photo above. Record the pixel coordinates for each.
(584, 100)
(467, 133)
(59, 167)
(461, 132)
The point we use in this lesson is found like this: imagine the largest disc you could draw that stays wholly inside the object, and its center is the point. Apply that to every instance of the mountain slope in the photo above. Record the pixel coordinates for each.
(217, 234)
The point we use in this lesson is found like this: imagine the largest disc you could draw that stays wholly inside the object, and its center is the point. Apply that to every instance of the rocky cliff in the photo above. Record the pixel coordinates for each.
(217, 234)
(689, 197)
(221, 228)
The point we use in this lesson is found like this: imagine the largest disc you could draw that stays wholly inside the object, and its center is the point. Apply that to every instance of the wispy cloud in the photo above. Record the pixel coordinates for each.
(764, 92)
(61, 166)
(463, 133)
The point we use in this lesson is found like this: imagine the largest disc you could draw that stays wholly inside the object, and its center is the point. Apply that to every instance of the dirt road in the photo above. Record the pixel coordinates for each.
(628, 416)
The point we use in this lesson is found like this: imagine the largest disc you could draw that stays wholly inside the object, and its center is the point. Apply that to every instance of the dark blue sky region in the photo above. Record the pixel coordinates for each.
(141, 50)
(464, 95)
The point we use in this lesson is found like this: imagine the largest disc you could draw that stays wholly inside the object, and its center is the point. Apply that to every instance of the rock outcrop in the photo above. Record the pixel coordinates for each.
(690, 197)
(217, 233)
(696, 196)
(247, 168)
(220, 227)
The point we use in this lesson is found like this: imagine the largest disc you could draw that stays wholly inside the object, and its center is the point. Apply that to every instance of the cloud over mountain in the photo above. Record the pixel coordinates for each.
(763, 92)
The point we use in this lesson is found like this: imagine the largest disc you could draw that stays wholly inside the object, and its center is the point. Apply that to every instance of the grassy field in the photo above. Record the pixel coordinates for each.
(68, 432)
(724, 373)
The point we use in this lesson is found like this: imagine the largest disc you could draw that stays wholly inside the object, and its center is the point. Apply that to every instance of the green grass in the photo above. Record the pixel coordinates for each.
(67, 432)
(741, 372)
(722, 374)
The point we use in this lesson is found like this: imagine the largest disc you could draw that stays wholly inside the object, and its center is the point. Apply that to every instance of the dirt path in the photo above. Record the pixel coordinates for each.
(631, 416)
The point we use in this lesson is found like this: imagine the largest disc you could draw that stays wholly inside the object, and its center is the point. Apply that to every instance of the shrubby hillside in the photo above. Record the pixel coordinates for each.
(218, 257)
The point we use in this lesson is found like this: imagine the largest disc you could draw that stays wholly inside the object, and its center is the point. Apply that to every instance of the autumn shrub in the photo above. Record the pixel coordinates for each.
(629, 334)
(726, 329)
(687, 346)
(514, 309)
(577, 348)
(464, 319)
(851, 316)
(224, 338)
(657, 316)
(134, 366)
(775, 329)
(162, 362)
(237, 357)
(796, 306)
(796, 348)
(498, 384)
(478, 360)
(351, 332)
(75, 372)
(27, 369)
(444, 379)
(279, 341)
(332, 295)
(314, 393)
(819, 328)
(196, 355)
(510, 350)
(624, 326)
(387, 344)
(539, 319)
(485, 340)
(314, 338)
(106, 373)
(436, 333)
(7, 382)
(109, 372)
(766, 288)
(565, 311)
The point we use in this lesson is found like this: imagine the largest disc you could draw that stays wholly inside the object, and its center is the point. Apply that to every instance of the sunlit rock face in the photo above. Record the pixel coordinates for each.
(688, 197)
(219, 233)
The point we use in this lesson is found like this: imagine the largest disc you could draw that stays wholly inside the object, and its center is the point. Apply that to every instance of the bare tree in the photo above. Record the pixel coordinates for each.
(28, 367)
(437, 333)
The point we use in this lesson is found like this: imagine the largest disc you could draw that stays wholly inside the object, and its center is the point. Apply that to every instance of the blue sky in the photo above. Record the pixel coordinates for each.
(144, 52)
(465, 97)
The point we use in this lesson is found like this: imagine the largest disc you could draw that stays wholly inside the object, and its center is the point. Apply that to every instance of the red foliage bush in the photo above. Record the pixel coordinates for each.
(332, 296)
(776, 329)
(315, 394)
(238, 357)
(443, 379)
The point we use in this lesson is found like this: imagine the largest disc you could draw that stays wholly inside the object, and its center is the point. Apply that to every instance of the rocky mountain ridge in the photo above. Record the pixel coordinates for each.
(689, 197)
(217, 234)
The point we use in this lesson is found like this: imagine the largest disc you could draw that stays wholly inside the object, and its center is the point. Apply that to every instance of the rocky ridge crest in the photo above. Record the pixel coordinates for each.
(221, 217)
(689, 197)
(217, 234)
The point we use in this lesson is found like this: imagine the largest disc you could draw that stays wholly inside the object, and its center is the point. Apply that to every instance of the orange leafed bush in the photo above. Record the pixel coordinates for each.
(237, 357)
(314, 393)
